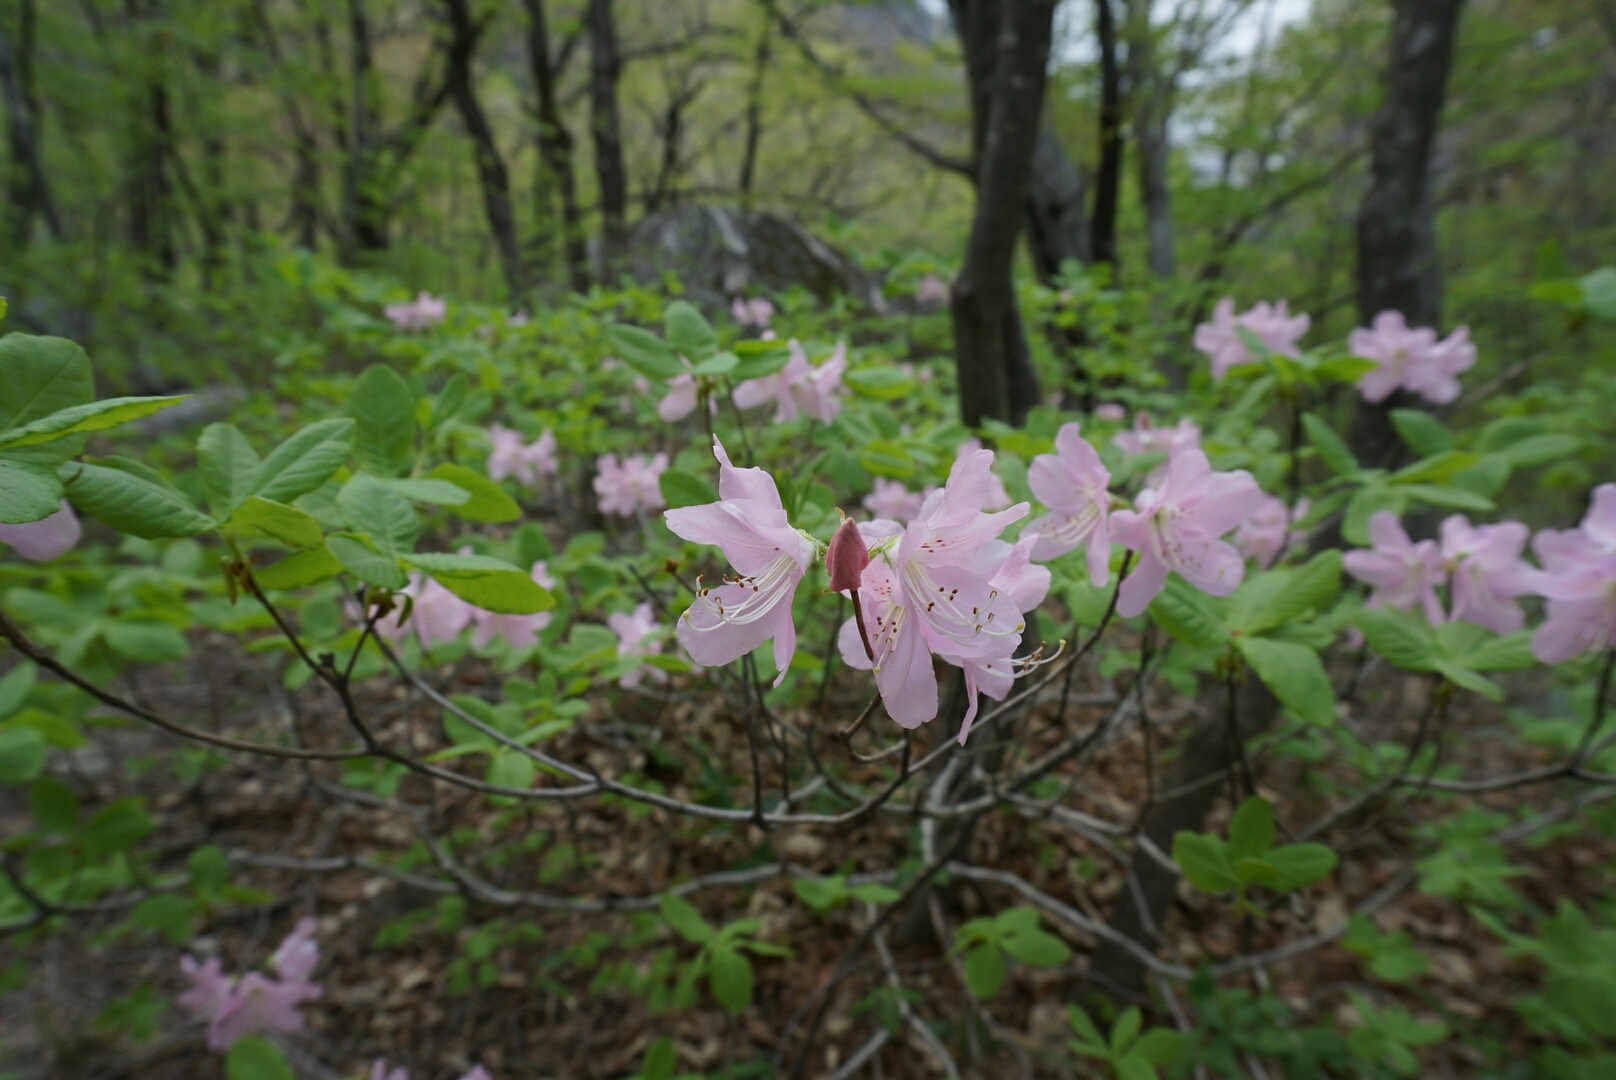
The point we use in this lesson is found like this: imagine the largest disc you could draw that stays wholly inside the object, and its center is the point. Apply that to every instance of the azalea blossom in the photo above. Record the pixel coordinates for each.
(1578, 582)
(931, 289)
(1262, 537)
(631, 485)
(755, 312)
(526, 463)
(1110, 411)
(435, 614)
(748, 523)
(1487, 572)
(1074, 485)
(1220, 339)
(1402, 574)
(684, 394)
(254, 1003)
(46, 539)
(519, 319)
(632, 633)
(933, 591)
(519, 631)
(418, 314)
(1146, 438)
(1178, 525)
(1411, 359)
(891, 501)
(379, 1071)
(799, 387)
(998, 498)
(477, 1073)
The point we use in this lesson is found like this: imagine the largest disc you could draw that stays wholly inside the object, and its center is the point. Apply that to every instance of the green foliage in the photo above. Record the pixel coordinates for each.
(721, 959)
(1131, 1053)
(1014, 932)
(255, 1058)
(1249, 857)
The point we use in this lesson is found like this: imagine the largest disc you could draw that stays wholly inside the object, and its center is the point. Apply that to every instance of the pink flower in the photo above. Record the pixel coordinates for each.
(1221, 341)
(1411, 359)
(1110, 412)
(891, 501)
(1487, 572)
(998, 498)
(1404, 575)
(630, 486)
(478, 1073)
(435, 614)
(1262, 537)
(1579, 582)
(683, 395)
(927, 595)
(519, 319)
(1177, 527)
(632, 632)
(1147, 438)
(254, 1003)
(45, 539)
(799, 387)
(931, 290)
(1073, 484)
(755, 312)
(424, 311)
(379, 1071)
(846, 556)
(526, 463)
(749, 524)
(519, 631)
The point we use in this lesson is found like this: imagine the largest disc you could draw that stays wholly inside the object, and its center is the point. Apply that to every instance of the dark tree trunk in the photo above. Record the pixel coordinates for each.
(27, 194)
(671, 129)
(492, 176)
(606, 128)
(1057, 207)
(1397, 255)
(555, 147)
(754, 114)
(303, 216)
(1152, 90)
(1006, 45)
(364, 211)
(1108, 177)
(150, 192)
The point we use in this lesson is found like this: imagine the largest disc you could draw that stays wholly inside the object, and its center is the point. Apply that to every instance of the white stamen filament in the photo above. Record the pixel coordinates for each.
(763, 591)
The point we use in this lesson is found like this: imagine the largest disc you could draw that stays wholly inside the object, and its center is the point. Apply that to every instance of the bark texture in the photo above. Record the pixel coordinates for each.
(1006, 44)
(1057, 207)
(555, 148)
(1108, 176)
(27, 194)
(606, 128)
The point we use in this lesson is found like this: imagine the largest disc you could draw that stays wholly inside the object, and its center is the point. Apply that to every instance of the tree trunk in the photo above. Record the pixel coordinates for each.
(606, 127)
(1108, 177)
(1152, 89)
(364, 207)
(1057, 207)
(555, 147)
(1397, 255)
(492, 176)
(754, 113)
(28, 195)
(1006, 45)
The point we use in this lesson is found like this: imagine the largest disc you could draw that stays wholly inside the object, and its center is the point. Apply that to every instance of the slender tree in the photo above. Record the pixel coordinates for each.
(1006, 44)
(555, 147)
(1108, 175)
(27, 193)
(606, 128)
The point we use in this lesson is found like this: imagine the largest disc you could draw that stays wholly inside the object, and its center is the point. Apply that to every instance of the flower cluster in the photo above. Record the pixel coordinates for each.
(254, 1003)
(1270, 530)
(630, 485)
(1578, 583)
(931, 289)
(1273, 324)
(635, 637)
(1411, 359)
(754, 312)
(526, 463)
(46, 539)
(438, 616)
(418, 314)
(799, 387)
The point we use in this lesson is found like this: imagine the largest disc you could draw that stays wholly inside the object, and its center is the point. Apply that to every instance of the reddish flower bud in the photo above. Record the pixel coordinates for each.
(846, 557)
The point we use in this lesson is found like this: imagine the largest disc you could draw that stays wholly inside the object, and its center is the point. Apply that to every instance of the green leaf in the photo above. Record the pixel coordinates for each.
(116, 827)
(300, 569)
(488, 501)
(1344, 369)
(436, 492)
(1126, 1029)
(22, 754)
(1456, 498)
(661, 1058)
(258, 516)
(1084, 1025)
(644, 352)
(984, 970)
(1391, 957)
(1301, 865)
(820, 893)
(689, 332)
(729, 973)
(882, 382)
(358, 556)
(28, 492)
(210, 871)
(94, 416)
(1599, 293)
(145, 641)
(1251, 829)
(1304, 591)
(1365, 503)
(1512, 652)
(1256, 872)
(1294, 674)
(1189, 615)
(132, 498)
(1160, 1046)
(680, 488)
(681, 915)
(1540, 450)
(43, 375)
(1421, 432)
(1331, 447)
(304, 461)
(369, 506)
(228, 466)
(168, 914)
(1398, 637)
(1038, 948)
(15, 686)
(1205, 861)
(487, 583)
(723, 363)
(759, 358)
(255, 1058)
(1459, 675)
(55, 807)
(383, 408)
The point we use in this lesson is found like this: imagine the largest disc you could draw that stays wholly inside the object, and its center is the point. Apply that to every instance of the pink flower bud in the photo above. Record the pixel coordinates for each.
(846, 557)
